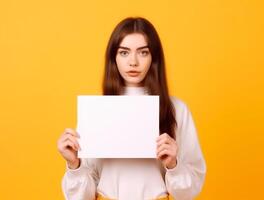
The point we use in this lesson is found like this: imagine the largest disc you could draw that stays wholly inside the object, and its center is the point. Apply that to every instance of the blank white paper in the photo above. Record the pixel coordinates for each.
(117, 126)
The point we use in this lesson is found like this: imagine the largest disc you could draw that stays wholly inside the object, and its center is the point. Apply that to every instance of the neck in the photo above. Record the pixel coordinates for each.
(134, 90)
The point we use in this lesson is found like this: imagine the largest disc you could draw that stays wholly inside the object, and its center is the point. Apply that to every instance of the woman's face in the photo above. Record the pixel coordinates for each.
(133, 59)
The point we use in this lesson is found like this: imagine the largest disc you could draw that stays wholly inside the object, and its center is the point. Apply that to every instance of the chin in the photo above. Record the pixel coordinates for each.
(136, 82)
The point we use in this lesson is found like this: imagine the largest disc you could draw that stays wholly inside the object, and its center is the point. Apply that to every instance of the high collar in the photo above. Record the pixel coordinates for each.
(130, 90)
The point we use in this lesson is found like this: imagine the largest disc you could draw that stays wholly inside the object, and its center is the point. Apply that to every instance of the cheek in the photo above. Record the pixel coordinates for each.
(120, 65)
(147, 64)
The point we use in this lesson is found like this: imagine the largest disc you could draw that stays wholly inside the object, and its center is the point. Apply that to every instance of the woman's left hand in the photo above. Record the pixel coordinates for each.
(167, 150)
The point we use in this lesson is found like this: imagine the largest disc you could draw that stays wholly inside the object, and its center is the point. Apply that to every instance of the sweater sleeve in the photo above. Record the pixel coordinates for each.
(185, 181)
(81, 183)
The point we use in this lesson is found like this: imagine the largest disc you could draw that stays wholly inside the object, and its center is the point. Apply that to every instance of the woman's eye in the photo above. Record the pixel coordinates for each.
(144, 53)
(123, 53)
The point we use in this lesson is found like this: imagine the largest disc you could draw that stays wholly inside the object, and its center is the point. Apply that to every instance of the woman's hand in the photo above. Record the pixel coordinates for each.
(68, 147)
(167, 150)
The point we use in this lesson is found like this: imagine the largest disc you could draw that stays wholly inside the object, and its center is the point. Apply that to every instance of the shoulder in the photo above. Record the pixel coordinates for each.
(178, 104)
(181, 110)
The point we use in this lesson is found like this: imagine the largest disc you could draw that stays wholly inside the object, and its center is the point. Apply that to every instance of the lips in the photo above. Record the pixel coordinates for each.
(133, 73)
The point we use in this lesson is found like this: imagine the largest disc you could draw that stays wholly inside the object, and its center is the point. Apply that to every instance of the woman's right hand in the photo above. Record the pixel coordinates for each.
(68, 147)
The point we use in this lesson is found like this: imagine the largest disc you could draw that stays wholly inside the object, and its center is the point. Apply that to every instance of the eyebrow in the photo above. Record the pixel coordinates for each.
(143, 47)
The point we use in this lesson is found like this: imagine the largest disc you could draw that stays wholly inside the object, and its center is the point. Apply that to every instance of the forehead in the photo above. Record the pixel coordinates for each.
(134, 40)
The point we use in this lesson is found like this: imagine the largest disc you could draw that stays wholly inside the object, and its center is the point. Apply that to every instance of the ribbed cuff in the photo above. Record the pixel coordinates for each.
(76, 173)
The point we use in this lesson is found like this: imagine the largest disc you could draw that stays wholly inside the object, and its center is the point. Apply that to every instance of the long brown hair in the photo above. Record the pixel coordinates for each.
(155, 81)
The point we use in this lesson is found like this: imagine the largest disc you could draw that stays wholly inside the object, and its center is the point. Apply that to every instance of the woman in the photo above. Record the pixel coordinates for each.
(134, 65)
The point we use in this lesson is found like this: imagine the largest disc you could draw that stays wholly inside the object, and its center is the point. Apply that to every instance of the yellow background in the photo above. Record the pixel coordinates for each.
(51, 51)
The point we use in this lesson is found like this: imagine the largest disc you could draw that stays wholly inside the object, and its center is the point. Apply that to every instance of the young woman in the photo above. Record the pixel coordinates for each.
(134, 65)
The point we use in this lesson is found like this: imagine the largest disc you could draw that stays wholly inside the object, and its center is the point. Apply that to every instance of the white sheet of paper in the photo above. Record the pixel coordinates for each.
(118, 126)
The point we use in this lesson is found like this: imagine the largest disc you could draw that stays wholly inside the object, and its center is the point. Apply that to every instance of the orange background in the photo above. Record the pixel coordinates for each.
(52, 51)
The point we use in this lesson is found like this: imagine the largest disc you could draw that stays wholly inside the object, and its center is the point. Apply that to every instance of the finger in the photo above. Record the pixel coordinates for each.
(71, 132)
(74, 140)
(65, 136)
(162, 147)
(69, 143)
(163, 141)
(163, 153)
(169, 149)
(162, 136)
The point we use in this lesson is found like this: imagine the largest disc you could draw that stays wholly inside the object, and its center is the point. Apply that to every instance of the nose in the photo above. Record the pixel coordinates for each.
(133, 61)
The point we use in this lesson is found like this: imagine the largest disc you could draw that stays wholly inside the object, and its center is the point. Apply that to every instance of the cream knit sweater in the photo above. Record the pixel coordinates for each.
(140, 179)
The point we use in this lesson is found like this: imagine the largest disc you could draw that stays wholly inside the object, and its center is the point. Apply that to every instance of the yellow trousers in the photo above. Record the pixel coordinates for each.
(100, 197)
